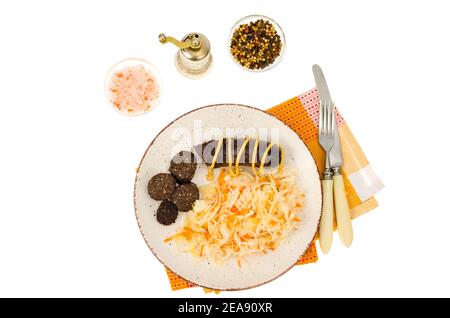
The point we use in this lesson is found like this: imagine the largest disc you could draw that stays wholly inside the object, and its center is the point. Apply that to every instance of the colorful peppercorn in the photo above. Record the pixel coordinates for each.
(256, 45)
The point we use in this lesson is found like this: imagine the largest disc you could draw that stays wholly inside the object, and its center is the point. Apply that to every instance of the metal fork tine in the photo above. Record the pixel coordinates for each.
(320, 118)
(333, 118)
(330, 117)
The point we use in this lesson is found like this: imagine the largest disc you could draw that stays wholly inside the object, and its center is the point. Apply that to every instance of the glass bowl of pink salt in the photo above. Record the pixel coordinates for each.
(133, 87)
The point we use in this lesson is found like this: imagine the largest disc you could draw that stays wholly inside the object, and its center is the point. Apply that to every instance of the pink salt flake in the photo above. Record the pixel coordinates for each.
(133, 89)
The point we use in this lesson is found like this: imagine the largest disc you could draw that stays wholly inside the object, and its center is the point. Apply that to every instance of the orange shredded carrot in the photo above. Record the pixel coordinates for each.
(247, 214)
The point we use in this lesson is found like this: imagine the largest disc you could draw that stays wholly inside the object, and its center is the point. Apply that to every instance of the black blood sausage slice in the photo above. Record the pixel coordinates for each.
(167, 213)
(185, 196)
(207, 150)
(161, 186)
(183, 166)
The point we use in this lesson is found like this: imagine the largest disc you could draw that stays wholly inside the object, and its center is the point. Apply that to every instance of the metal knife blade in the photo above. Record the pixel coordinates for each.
(321, 84)
(324, 96)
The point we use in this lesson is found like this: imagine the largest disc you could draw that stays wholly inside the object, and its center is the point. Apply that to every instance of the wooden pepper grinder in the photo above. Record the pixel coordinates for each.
(193, 59)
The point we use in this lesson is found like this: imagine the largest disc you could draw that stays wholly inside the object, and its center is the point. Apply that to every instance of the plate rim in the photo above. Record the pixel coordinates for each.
(141, 227)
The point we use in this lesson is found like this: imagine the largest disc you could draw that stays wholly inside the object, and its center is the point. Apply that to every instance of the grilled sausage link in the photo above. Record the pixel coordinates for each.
(207, 150)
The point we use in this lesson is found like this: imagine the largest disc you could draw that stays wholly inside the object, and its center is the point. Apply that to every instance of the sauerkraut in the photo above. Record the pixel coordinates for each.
(241, 215)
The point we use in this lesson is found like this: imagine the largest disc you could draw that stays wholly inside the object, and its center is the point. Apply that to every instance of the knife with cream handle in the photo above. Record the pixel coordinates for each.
(342, 210)
(326, 141)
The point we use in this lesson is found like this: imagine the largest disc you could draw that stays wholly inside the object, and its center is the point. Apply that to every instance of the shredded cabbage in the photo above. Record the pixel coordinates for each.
(241, 215)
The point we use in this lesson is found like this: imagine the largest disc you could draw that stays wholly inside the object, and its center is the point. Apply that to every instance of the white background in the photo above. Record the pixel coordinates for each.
(67, 160)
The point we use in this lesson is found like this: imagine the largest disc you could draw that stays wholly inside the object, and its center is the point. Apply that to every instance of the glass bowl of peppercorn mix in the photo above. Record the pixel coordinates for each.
(257, 43)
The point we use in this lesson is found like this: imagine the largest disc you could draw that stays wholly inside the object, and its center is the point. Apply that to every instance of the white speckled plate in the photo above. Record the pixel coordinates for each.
(179, 135)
